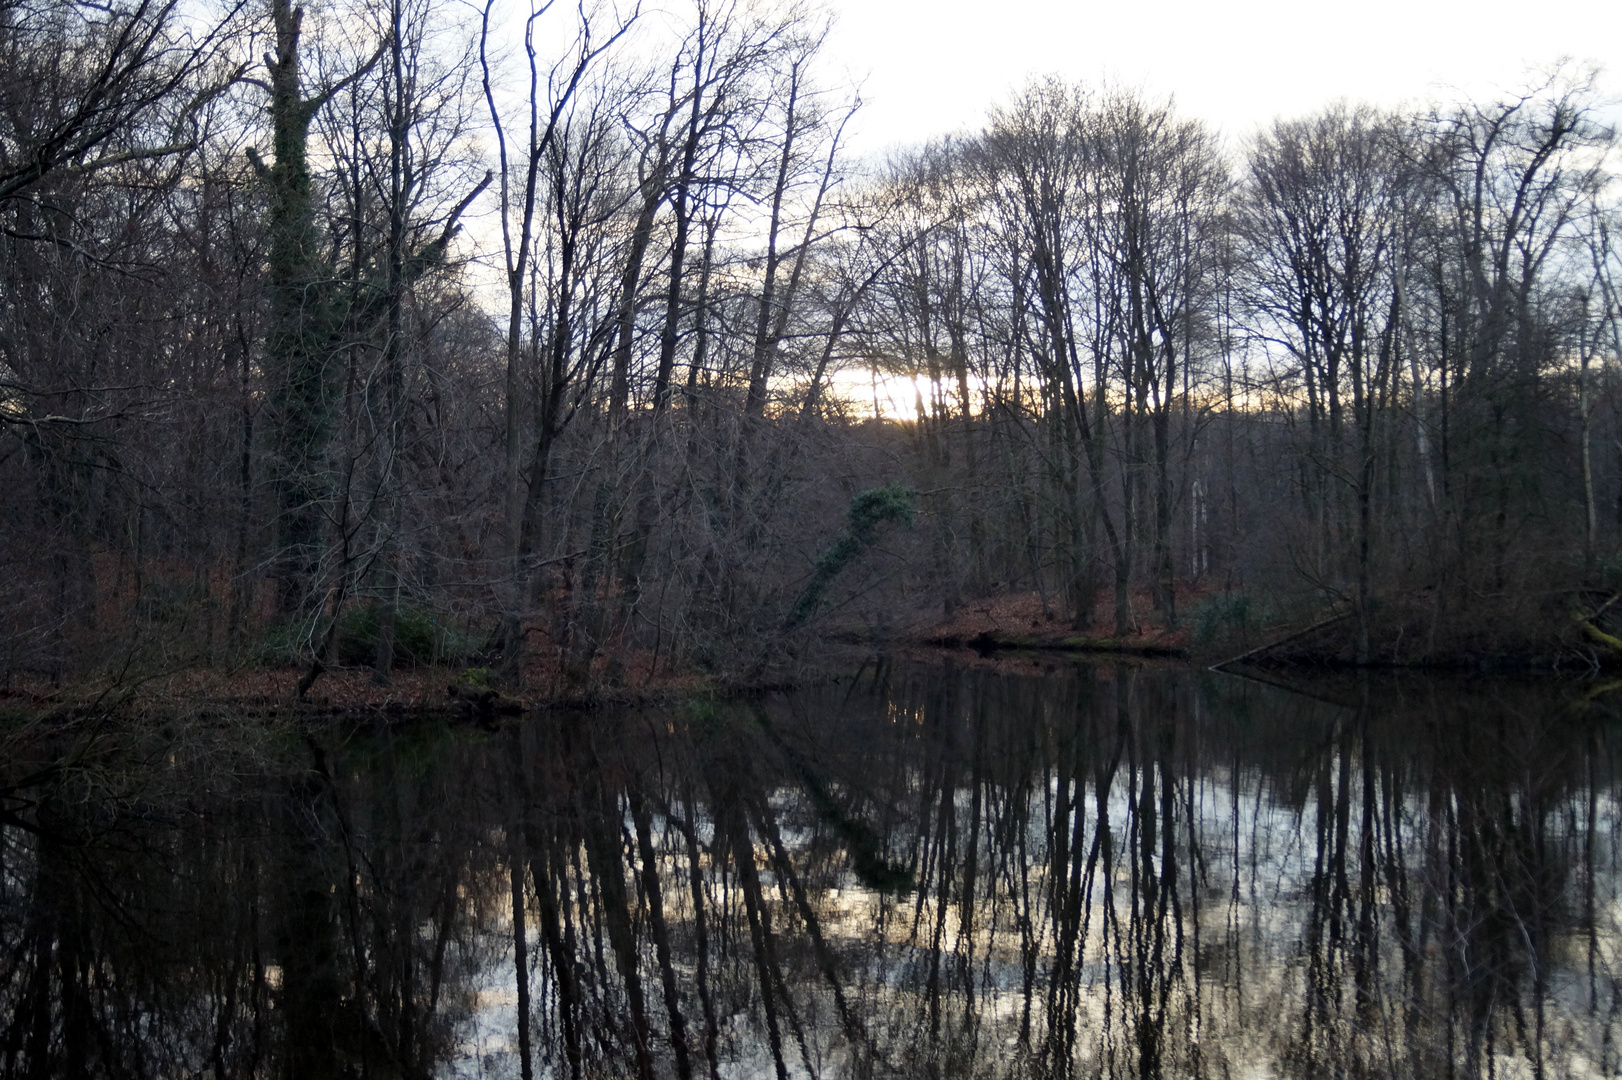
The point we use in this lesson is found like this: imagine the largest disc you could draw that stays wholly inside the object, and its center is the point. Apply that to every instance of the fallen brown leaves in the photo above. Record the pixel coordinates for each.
(1029, 615)
(630, 679)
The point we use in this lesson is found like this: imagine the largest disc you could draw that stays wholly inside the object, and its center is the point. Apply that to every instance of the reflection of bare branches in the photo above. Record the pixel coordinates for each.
(1108, 871)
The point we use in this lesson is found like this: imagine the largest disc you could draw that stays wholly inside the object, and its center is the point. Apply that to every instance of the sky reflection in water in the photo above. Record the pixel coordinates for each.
(921, 872)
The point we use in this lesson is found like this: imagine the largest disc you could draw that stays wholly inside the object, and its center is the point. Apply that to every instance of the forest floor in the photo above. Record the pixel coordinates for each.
(1011, 631)
(1028, 621)
(351, 692)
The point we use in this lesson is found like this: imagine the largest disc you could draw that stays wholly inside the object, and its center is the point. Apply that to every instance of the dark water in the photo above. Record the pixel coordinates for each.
(924, 872)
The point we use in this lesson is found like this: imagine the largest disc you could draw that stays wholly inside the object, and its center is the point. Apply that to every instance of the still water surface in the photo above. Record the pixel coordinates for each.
(933, 872)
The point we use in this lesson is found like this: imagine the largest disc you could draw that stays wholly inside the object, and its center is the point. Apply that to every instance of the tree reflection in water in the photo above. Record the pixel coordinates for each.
(924, 872)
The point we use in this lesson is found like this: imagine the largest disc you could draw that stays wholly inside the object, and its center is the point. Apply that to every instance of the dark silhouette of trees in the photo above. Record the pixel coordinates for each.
(1323, 215)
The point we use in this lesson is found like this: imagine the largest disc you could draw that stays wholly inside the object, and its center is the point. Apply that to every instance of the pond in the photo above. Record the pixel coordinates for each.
(930, 871)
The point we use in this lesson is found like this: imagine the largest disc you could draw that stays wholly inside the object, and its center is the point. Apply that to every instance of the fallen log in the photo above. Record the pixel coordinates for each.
(991, 641)
(1285, 640)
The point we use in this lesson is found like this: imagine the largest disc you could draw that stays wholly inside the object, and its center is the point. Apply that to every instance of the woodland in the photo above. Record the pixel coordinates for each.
(547, 344)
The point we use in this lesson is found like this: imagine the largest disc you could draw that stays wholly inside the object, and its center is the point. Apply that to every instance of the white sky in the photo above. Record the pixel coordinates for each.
(929, 68)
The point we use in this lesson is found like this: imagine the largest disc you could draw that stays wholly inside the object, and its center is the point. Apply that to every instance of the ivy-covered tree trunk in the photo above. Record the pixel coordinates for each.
(299, 353)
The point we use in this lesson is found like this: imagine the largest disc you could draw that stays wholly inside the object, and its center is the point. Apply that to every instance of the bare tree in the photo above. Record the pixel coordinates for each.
(1322, 215)
(549, 92)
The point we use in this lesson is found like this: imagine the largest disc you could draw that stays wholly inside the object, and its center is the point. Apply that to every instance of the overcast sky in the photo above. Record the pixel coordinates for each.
(933, 67)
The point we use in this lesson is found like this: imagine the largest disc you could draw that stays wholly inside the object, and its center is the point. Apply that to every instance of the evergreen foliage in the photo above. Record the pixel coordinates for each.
(869, 512)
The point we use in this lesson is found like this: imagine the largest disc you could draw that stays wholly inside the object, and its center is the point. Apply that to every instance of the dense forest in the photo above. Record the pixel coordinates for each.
(551, 339)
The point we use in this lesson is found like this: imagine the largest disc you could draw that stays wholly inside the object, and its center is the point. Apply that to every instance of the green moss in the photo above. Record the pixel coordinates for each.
(480, 677)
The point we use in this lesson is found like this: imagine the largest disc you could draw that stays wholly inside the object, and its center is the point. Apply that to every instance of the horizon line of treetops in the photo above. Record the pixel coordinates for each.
(256, 398)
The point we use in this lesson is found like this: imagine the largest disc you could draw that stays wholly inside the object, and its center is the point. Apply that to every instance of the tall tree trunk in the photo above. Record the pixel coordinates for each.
(388, 494)
(300, 337)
